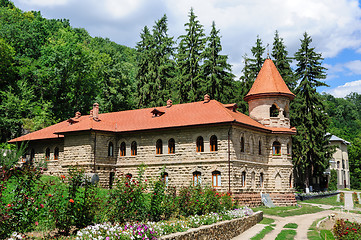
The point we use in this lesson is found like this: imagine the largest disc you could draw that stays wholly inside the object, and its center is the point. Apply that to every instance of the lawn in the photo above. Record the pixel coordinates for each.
(289, 211)
(327, 201)
(287, 234)
(316, 234)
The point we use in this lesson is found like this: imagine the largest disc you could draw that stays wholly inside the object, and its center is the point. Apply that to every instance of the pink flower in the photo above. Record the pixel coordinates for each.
(42, 205)
(36, 223)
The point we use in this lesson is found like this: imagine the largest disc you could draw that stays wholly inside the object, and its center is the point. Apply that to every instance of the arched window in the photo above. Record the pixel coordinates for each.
(213, 143)
(259, 147)
(253, 179)
(110, 149)
(171, 146)
(165, 178)
(32, 154)
(47, 154)
(56, 153)
(261, 180)
(216, 179)
(274, 111)
(134, 148)
(123, 149)
(242, 144)
(243, 179)
(338, 164)
(159, 147)
(291, 181)
(288, 149)
(276, 148)
(196, 178)
(200, 144)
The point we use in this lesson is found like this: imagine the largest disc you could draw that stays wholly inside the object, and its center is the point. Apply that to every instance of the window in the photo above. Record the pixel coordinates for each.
(338, 164)
(165, 178)
(47, 154)
(196, 178)
(200, 144)
(274, 111)
(56, 153)
(32, 155)
(122, 149)
(134, 148)
(159, 146)
(253, 179)
(110, 149)
(259, 148)
(261, 180)
(291, 181)
(216, 179)
(243, 179)
(276, 148)
(213, 143)
(171, 146)
(242, 144)
(288, 149)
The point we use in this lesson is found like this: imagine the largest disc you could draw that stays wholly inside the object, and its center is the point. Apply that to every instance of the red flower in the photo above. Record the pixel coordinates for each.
(71, 200)
(62, 176)
(9, 205)
(42, 205)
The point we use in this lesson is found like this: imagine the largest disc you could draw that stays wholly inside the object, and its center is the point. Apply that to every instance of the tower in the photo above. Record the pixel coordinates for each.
(269, 98)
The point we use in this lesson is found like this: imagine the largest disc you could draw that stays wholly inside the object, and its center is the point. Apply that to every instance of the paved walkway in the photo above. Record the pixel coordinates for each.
(303, 221)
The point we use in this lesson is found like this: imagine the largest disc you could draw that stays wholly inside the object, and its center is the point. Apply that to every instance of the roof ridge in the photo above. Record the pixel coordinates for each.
(225, 109)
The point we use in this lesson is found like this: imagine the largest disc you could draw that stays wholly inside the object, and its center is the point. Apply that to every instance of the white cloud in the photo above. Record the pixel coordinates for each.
(47, 3)
(347, 88)
(354, 66)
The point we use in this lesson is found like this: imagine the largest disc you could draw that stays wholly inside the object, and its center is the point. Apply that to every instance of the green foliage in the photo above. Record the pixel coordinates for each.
(310, 151)
(345, 230)
(355, 163)
(332, 185)
(188, 59)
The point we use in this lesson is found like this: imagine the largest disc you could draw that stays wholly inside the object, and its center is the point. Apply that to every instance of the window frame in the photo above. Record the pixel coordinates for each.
(276, 148)
(213, 143)
(123, 149)
(110, 149)
(200, 144)
(242, 144)
(216, 179)
(197, 178)
(134, 148)
(56, 153)
(171, 146)
(159, 147)
(244, 176)
(47, 154)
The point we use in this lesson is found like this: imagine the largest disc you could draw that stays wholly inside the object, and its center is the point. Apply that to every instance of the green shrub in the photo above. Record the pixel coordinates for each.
(332, 185)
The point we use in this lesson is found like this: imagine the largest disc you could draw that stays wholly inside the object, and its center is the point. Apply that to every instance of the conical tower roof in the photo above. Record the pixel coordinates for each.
(269, 83)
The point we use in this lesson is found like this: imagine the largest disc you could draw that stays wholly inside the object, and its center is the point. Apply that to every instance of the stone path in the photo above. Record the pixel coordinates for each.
(303, 221)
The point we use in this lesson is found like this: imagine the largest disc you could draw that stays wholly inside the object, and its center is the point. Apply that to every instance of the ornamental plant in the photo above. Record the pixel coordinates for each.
(355, 198)
(128, 198)
(346, 230)
(73, 203)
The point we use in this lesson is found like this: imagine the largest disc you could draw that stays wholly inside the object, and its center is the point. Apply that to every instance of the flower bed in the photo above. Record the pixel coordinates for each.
(346, 230)
(153, 230)
(311, 195)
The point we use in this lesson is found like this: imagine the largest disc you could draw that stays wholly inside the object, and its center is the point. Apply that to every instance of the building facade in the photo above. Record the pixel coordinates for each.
(339, 162)
(204, 142)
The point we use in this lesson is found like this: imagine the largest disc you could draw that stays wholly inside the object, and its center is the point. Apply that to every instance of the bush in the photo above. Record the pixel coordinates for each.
(332, 185)
(355, 198)
(346, 230)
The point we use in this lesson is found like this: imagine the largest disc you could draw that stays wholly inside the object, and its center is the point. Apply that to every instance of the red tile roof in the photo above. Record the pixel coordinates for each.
(178, 115)
(269, 83)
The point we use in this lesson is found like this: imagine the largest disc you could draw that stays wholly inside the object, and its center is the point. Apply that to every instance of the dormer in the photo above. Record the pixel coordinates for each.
(231, 106)
(157, 113)
(269, 98)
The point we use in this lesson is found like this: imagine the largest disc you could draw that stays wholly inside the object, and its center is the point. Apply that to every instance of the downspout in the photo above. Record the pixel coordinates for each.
(229, 160)
(95, 149)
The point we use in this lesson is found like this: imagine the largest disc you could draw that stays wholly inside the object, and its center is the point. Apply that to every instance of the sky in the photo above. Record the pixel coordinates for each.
(334, 25)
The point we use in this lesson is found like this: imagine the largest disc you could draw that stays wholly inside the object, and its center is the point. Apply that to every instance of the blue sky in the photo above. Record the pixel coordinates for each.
(334, 25)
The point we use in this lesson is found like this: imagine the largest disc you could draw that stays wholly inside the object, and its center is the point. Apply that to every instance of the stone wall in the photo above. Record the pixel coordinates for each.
(218, 231)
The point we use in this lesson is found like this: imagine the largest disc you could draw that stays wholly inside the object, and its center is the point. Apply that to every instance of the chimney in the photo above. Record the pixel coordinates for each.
(96, 111)
(91, 114)
(77, 115)
(169, 103)
(207, 98)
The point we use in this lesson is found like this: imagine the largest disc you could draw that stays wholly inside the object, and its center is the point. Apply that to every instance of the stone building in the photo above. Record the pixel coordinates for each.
(339, 162)
(203, 142)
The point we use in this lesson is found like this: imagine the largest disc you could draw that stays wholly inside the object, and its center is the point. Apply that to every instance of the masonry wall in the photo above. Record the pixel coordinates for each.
(341, 164)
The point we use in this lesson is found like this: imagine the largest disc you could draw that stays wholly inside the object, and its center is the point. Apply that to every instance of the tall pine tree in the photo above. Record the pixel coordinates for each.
(311, 152)
(283, 62)
(189, 58)
(218, 73)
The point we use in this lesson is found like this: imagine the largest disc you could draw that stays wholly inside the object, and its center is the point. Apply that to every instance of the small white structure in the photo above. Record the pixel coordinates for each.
(339, 162)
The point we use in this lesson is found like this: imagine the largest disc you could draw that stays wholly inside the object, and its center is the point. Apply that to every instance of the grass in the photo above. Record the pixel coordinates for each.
(262, 233)
(287, 234)
(327, 201)
(267, 221)
(289, 211)
(291, 225)
(315, 234)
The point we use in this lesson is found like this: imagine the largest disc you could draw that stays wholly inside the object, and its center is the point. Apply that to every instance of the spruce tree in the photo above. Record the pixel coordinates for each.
(144, 77)
(219, 78)
(255, 63)
(311, 152)
(189, 58)
(163, 64)
(283, 62)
